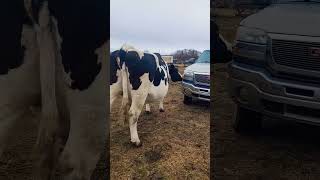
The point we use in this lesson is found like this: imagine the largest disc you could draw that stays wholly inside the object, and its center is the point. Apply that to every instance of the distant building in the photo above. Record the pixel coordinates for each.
(167, 58)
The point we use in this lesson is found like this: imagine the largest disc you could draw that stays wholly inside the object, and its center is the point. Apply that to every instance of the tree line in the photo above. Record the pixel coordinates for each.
(185, 54)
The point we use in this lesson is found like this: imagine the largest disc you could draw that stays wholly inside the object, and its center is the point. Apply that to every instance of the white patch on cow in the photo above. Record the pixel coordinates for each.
(116, 88)
(157, 60)
(128, 48)
(156, 93)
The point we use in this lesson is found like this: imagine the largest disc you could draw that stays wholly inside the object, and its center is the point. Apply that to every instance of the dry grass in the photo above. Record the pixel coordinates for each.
(175, 142)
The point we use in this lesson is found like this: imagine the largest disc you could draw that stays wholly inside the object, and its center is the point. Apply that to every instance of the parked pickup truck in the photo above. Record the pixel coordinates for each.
(196, 79)
(275, 69)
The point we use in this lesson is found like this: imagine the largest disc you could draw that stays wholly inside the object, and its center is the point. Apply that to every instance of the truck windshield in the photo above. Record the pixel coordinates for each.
(204, 57)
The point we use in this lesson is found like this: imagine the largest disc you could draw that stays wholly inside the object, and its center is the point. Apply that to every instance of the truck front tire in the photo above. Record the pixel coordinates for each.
(187, 99)
(246, 121)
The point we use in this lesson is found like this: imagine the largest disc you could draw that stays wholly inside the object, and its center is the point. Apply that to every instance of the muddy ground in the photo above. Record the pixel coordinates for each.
(282, 150)
(175, 142)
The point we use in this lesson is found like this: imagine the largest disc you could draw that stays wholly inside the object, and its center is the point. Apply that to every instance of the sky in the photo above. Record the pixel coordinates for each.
(162, 26)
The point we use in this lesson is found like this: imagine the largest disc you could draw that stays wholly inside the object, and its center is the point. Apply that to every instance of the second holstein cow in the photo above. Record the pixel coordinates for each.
(221, 49)
(141, 78)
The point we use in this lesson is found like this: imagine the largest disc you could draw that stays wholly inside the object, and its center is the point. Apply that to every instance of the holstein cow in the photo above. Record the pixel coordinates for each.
(221, 49)
(56, 52)
(141, 78)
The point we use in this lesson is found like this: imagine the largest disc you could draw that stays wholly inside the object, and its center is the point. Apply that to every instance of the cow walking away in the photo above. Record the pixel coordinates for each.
(56, 53)
(141, 78)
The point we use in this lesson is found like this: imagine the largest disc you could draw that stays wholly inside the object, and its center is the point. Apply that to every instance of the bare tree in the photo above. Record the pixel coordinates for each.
(185, 54)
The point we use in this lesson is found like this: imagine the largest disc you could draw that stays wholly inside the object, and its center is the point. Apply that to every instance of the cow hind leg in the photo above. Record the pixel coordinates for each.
(138, 99)
(88, 132)
(85, 143)
(161, 109)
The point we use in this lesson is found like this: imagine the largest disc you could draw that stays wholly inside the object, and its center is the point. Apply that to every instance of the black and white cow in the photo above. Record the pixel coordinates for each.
(56, 52)
(221, 49)
(141, 78)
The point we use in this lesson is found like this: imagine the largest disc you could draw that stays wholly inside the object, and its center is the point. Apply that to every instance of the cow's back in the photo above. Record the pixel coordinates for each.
(138, 66)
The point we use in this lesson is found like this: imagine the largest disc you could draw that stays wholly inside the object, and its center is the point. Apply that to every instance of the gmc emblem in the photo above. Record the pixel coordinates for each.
(315, 52)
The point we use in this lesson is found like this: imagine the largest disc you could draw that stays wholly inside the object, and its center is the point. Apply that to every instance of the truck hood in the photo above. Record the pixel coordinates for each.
(199, 68)
(294, 19)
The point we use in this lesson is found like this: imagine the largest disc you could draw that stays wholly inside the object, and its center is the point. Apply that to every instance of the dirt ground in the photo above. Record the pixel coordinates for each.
(16, 161)
(175, 142)
(282, 150)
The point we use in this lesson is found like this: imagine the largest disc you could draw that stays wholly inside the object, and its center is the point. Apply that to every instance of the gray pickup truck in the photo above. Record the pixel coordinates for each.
(275, 69)
(196, 79)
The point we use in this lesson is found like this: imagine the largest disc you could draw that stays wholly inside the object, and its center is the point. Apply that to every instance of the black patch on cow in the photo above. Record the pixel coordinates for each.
(137, 67)
(13, 17)
(84, 27)
(114, 67)
(160, 74)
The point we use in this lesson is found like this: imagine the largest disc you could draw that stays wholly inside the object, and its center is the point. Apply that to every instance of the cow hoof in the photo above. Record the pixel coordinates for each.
(137, 144)
(161, 110)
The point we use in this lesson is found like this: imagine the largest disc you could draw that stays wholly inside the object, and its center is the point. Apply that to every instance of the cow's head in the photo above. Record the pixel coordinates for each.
(222, 51)
(174, 74)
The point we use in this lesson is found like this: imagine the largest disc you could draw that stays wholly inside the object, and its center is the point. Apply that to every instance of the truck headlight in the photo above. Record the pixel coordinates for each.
(188, 75)
(251, 44)
(252, 35)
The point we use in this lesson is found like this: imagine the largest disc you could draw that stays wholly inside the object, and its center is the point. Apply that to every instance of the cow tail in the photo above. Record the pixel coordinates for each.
(125, 106)
(47, 133)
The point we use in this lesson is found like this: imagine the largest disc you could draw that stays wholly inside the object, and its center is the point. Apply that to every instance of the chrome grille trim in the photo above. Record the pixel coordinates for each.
(295, 54)
(203, 79)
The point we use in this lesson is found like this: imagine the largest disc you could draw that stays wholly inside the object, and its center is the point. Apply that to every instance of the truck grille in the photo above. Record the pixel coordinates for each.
(296, 54)
(201, 78)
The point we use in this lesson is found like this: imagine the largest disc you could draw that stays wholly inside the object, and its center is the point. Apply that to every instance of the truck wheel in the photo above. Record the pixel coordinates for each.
(246, 121)
(187, 99)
